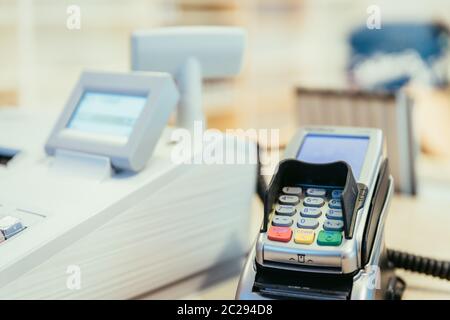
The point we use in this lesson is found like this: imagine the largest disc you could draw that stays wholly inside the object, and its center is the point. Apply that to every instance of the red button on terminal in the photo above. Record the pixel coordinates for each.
(282, 234)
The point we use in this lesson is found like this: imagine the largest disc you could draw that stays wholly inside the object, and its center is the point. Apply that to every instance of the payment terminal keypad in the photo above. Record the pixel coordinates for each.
(308, 215)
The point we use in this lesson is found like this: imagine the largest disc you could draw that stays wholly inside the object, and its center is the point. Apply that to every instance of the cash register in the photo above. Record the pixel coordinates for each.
(95, 189)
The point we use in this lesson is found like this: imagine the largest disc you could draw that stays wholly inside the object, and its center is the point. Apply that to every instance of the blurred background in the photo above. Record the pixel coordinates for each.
(307, 62)
(292, 44)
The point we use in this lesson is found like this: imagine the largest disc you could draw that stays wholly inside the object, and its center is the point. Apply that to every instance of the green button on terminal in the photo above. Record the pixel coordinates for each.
(329, 238)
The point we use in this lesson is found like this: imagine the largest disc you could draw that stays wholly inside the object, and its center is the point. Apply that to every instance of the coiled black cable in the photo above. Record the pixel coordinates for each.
(415, 263)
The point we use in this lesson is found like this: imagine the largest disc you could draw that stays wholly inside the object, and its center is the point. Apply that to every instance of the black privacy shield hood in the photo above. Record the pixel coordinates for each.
(291, 172)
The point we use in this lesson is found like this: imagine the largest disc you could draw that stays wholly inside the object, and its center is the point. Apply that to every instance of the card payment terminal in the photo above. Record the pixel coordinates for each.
(324, 211)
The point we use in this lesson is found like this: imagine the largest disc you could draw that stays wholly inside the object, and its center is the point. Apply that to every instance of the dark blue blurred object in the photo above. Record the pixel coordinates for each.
(430, 43)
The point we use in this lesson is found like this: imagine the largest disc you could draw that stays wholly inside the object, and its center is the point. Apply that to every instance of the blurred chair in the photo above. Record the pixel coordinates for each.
(398, 53)
(387, 111)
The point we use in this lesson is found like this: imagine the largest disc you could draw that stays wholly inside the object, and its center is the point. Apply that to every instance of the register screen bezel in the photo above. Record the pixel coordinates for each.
(124, 152)
(121, 130)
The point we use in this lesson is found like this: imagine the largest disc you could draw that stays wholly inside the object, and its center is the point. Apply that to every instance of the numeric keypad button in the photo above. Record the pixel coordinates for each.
(282, 221)
(336, 194)
(307, 223)
(294, 191)
(335, 214)
(285, 210)
(333, 225)
(316, 192)
(335, 204)
(290, 200)
(310, 212)
(313, 202)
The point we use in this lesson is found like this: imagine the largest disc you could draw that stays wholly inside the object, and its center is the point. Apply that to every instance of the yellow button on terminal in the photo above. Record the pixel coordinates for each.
(304, 236)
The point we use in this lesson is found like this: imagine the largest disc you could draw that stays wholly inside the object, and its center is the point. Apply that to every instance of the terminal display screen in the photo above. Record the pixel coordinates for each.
(318, 148)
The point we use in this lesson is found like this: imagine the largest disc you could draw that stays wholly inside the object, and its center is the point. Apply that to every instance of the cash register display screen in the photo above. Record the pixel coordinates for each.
(318, 148)
(111, 114)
